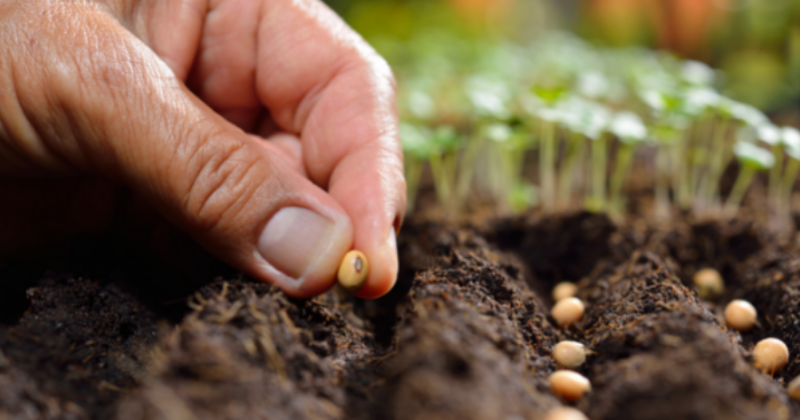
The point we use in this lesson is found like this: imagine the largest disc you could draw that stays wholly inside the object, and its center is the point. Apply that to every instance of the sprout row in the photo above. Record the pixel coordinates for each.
(587, 121)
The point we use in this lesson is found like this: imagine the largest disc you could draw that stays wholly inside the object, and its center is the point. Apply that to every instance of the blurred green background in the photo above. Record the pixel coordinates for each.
(756, 43)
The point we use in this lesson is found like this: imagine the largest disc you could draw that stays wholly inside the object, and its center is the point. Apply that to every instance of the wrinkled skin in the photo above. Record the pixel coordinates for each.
(198, 117)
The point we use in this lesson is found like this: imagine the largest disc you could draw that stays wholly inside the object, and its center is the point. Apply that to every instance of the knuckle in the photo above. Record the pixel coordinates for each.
(222, 177)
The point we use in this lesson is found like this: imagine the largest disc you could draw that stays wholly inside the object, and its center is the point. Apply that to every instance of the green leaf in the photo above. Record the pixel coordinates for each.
(499, 133)
(790, 137)
(628, 127)
(446, 139)
(697, 73)
(550, 95)
(416, 141)
(769, 134)
(753, 156)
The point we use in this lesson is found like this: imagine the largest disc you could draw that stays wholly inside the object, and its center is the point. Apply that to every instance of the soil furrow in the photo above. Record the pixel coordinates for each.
(472, 342)
(660, 353)
(772, 284)
(248, 351)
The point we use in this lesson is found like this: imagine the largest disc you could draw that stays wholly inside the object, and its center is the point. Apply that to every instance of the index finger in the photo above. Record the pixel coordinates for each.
(321, 80)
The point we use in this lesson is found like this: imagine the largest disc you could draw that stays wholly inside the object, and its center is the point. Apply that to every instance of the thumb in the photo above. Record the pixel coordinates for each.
(116, 110)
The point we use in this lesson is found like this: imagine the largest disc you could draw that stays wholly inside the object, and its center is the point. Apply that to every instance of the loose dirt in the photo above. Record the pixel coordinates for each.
(466, 334)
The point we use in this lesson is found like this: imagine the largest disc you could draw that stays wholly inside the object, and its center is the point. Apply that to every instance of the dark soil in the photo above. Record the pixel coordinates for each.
(466, 334)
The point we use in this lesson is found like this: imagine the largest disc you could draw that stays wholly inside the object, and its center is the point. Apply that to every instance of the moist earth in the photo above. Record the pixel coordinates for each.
(465, 334)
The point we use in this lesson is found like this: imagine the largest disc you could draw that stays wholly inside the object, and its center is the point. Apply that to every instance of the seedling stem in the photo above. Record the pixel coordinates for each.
(622, 168)
(574, 155)
(743, 180)
(599, 169)
(547, 158)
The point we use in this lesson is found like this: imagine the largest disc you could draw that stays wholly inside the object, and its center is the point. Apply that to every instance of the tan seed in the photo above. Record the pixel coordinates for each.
(353, 271)
(794, 388)
(565, 413)
(568, 311)
(770, 355)
(740, 315)
(709, 283)
(564, 290)
(569, 354)
(569, 385)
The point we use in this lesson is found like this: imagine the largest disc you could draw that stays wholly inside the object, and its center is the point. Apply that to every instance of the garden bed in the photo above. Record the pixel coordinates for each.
(466, 334)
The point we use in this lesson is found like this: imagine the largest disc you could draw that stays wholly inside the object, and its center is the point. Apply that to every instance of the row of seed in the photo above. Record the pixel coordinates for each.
(567, 384)
(769, 355)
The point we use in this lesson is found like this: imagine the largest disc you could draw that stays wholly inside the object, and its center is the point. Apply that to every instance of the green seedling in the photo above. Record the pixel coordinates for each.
(752, 159)
(417, 150)
(489, 98)
(668, 130)
(631, 132)
(473, 109)
(443, 161)
(545, 108)
(700, 104)
(731, 114)
(574, 155)
(771, 136)
(587, 121)
(548, 132)
(575, 116)
(506, 158)
(790, 139)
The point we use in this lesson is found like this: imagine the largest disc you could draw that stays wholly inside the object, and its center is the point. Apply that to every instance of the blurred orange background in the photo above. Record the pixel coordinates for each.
(755, 42)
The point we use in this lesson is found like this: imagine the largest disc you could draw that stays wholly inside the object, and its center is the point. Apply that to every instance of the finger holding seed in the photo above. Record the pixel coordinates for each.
(564, 290)
(565, 413)
(569, 354)
(353, 271)
(770, 355)
(569, 385)
(740, 315)
(568, 311)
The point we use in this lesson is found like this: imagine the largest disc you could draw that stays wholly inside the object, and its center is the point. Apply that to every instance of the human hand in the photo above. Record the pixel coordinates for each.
(265, 129)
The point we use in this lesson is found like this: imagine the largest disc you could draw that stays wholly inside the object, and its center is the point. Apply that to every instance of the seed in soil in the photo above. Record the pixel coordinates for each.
(565, 413)
(568, 311)
(353, 271)
(709, 283)
(740, 315)
(564, 290)
(771, 355)
(569, 354)
(569, 385)
(793, 389)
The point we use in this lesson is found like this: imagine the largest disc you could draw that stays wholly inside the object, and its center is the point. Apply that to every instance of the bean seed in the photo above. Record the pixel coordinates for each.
(353, 271)
(564, 290)
(770, 355)
(565, 413)
(568, 311)
(569, 385)
(569, 354)
(740, 315)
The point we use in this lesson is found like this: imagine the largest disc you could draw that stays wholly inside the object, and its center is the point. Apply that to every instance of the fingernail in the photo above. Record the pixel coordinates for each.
(295, 239)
